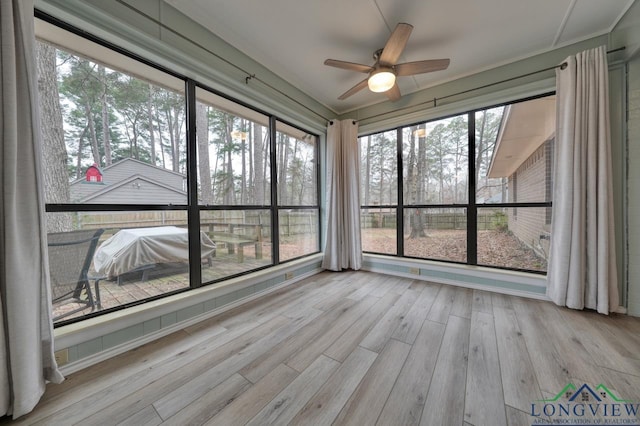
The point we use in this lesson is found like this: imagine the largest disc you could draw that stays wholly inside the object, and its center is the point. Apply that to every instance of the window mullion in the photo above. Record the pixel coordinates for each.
(193, 213)
(275, 225)
(400, 208)
(472, 210)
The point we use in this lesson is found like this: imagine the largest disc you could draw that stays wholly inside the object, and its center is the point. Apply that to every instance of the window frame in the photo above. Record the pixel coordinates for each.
(273, 127)
(471, 205)
(191, 206)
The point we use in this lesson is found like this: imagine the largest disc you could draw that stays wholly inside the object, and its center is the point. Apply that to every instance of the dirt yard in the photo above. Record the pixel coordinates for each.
(495, 248)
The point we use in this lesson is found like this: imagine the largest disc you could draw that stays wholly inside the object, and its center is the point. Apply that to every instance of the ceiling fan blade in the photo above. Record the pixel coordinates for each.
(348, 65)
(396, 43)
(420, 67)
(355, 89)
(394, 93)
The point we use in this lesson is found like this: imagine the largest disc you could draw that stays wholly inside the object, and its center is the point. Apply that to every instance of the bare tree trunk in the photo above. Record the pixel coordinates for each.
(79, 157)
(92, 134)
(160, 138)
(136, 153)
(303, 182)
(417, 222)
(243, 176)
(296, 173)
(381, 162)
(215, 180)
(229, 187)
(441, 165)
(415, 219)
(392, 185)
(480, 147)
(106, 138)
(456, 166)
(152, 134)
(174, 160)
(367, 177)
(202, 133)
(266, 176)
(54, 150)
(411, 168)
(258, 164)
(422, 168)
(177, 128)
(283, 155)
(252, 195)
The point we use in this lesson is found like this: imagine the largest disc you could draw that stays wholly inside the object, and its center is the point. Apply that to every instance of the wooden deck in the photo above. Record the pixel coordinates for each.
(163, 279)
(357, 348)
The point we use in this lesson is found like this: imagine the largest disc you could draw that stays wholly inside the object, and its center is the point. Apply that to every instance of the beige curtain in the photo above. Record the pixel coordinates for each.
(343, 248)
(582, 259)
(26, 330)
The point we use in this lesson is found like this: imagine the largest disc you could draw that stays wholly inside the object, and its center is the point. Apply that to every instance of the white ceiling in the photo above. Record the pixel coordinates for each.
(292, 38)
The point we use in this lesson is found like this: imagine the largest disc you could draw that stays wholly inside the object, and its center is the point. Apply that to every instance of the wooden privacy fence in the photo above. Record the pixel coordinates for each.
(490, 220)
(119, 220)
(291, 222)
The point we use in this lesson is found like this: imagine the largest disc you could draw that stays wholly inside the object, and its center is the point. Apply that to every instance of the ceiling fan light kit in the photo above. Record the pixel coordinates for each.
(382, 75)
(381, 80)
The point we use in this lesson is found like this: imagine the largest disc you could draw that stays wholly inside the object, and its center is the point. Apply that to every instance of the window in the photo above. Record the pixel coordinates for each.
(436, 233)
(298, 211)
(112, 138)
(234, 161)
(435, 169)
(490, 208)
(379, 192)
(234, 185)
(119, 172)
(516, 173)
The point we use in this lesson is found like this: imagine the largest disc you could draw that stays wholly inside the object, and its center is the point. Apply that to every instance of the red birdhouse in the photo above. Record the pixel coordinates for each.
(94, 175)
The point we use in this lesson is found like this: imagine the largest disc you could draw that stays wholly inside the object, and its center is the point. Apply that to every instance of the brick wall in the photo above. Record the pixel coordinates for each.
(528, 184)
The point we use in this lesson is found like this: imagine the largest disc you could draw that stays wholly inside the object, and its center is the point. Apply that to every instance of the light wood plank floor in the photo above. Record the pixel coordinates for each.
(356, 348)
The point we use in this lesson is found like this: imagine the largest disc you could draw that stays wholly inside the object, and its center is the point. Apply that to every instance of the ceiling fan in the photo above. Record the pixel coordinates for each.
(383, 73)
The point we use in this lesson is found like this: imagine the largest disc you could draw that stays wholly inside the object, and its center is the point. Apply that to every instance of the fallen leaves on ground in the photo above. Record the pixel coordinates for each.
(495, 248)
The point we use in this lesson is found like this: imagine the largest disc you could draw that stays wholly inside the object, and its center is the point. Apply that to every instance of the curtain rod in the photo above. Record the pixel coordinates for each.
(352, 122)
(435, 100)
(249, 76)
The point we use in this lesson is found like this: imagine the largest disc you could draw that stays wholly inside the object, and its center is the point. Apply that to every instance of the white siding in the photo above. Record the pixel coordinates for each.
(140, 191)
(126, 169)
(129, 167)
(82, 189)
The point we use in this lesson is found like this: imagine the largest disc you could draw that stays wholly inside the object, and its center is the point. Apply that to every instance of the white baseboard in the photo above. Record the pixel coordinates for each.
(458, 283)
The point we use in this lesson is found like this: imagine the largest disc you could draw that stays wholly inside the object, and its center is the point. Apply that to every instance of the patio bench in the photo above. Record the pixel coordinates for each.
(236, 236)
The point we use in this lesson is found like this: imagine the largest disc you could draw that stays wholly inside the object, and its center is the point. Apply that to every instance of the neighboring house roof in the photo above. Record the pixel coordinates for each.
(161, 185)
(138, 189)
(524, 127)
